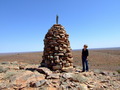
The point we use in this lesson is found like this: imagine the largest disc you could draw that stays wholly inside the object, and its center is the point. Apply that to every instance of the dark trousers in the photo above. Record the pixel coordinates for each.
(85, 64)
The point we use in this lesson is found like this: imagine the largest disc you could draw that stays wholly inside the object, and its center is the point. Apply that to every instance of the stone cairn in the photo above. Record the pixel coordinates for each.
(57, 51)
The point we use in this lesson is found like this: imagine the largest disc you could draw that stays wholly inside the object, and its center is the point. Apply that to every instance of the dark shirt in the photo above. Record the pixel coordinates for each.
(85, 53)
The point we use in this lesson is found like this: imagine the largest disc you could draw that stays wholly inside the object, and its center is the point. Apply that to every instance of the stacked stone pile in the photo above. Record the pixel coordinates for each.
(57, 51)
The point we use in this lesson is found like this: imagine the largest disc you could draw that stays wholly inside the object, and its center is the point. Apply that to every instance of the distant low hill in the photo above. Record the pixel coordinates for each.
(110, 48)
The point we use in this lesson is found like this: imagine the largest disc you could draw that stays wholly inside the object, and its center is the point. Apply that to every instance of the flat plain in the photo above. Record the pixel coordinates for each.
(104, 59)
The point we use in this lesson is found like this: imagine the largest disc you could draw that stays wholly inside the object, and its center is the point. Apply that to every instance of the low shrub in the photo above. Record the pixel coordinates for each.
(2, 69)
(9, 74)
(118, 71)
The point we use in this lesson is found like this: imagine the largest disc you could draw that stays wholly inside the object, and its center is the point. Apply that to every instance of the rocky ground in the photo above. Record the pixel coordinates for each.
(23, 76)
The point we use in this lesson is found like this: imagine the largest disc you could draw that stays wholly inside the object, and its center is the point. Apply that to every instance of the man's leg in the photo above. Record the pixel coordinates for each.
(83, 64)
(86, 64)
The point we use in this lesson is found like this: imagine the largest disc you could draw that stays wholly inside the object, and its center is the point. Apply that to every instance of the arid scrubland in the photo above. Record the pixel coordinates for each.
(98, 59)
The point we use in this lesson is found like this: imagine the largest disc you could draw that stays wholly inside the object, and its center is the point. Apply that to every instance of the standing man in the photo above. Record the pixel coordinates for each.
(85, 54)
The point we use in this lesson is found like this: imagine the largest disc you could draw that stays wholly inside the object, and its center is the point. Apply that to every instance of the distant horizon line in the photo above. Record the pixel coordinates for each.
(106, 48)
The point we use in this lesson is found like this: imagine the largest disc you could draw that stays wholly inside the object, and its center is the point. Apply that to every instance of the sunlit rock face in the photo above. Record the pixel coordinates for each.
(57, 51)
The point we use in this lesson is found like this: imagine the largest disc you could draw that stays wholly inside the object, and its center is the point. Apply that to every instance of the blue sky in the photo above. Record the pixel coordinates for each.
(24, 23)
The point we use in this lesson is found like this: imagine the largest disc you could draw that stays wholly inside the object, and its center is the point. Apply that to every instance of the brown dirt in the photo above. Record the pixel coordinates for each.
(98, 59)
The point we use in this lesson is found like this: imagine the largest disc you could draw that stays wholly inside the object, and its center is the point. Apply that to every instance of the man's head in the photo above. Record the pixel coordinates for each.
(85, 46)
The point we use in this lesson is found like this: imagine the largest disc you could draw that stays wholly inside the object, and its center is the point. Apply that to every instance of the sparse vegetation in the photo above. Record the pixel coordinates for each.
(7, 62)
(2, 69)
(98, 59)
(118, 71)
(9, 74)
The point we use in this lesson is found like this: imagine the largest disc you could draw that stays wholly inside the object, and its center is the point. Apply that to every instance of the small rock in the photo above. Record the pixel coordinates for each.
(52, 88)
(14, 63)
(57, 67)
(75, 77)
(56, 81)
(3, 85)
(97, 71)
(68, 69)
(113, 73)
(67, 75)
(78, 67)
(79, 78)
(64, 83)
(44, 70)
(104, 81)
(13, 67)
(105, 86)
(40, 83)
(83, 87)
(91, 86)
(104, 73)
(53, 76)
(62, 87)
(21, 67)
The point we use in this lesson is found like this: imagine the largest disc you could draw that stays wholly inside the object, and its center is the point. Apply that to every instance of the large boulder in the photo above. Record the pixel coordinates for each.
(76, 77)
(23, 79)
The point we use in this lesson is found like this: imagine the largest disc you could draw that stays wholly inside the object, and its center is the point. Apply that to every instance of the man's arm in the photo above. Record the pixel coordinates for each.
(87, 54)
